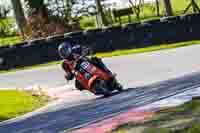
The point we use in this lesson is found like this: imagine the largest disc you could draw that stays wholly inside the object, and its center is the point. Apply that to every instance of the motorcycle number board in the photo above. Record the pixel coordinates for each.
(88, 67)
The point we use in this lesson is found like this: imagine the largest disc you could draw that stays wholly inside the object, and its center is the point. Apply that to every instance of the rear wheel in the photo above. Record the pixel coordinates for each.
(106, 92)
(102, 88)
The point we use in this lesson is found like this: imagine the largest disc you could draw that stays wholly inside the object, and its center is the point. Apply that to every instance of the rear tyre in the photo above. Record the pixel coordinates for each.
(103, 88)
(107, 93)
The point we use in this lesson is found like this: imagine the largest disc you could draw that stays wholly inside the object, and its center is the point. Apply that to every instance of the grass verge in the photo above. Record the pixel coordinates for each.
(181, 119)
(14, 103)
(118, 53)
(148, 49)
(9, 40)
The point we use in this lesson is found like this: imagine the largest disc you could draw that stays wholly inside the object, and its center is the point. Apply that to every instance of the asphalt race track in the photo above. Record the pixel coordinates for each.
(132, 70)
(155, 76)
(74, 117)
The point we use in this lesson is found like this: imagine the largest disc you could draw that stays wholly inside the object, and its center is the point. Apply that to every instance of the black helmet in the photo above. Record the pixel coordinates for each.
(65, 50)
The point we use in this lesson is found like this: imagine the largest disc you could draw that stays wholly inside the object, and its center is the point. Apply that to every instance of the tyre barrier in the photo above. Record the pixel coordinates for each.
(133, 35)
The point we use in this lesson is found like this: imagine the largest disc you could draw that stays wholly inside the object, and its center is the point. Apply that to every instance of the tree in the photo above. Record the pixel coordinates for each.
(168, 8)
(72, 10)
(69, 9)
(19, 15)
(37, 7)
(137, 7)
(194, 5)
(4, 10)
(50, 17)
(100, 14)
(157, 8)
(42, 22)
(5, 25)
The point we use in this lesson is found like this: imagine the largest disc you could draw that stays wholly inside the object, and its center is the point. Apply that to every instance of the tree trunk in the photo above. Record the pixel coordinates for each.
(100, 14)
(157, 8)
(68, 9)
(168, 8)
(19, 15)
(39, 8)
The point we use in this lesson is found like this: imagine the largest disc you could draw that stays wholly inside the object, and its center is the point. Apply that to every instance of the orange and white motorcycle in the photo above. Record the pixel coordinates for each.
(92, 77)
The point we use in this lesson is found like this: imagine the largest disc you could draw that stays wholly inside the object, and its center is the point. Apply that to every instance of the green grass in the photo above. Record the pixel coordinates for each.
(87, 22)
(148, 49)
(148, 13)
(116, 53)
(190, 110)
(9, 37)
(192, 106)
(9, 40)
(181, 6)
(14, 103)
(194, 128)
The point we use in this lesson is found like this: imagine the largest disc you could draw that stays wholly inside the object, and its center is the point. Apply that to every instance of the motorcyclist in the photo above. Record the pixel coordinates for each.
(70, 52)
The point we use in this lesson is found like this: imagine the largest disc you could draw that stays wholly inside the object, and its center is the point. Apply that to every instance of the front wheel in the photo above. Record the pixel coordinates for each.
(106, 92)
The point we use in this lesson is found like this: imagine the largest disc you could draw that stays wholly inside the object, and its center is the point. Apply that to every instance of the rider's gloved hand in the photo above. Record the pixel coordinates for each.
(77, 49)
(69, 76)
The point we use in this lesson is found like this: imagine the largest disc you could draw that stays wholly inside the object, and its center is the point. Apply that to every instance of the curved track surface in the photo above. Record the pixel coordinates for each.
(181, 66)
(132, 70)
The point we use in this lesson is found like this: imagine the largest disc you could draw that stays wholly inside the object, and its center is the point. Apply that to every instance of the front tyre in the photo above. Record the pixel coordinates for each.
(79, 86)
